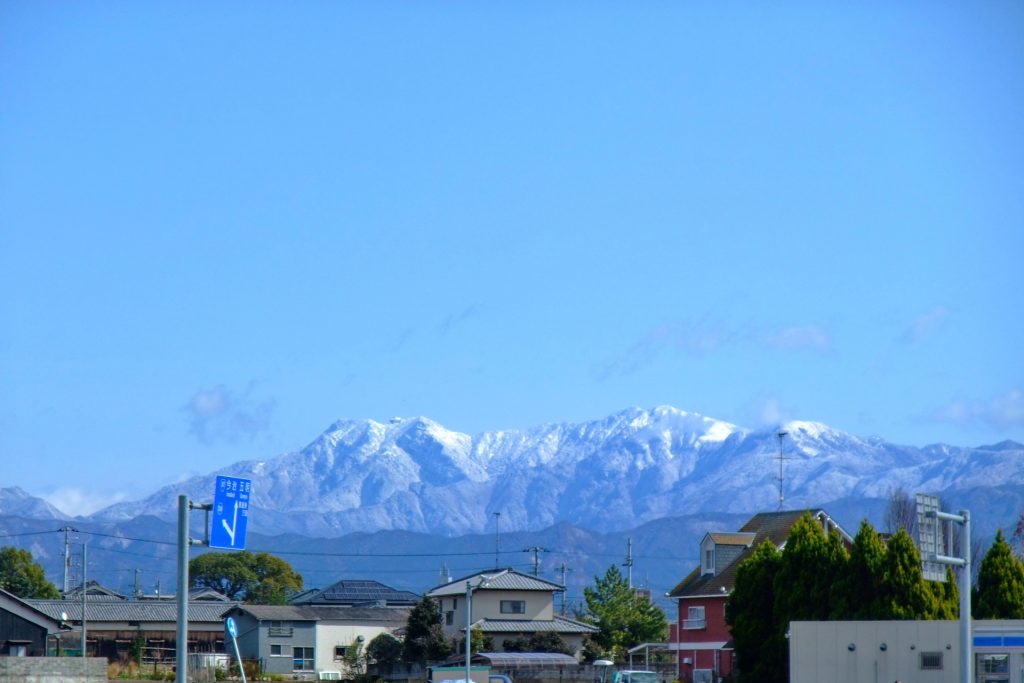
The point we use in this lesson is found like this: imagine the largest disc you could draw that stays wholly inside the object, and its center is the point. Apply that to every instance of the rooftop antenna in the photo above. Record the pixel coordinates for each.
(444, 575)
(782, 458)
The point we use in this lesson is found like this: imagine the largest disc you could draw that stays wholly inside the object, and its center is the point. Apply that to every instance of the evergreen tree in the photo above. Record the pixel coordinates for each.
(424, 635)
(904, 593)
(810, 567)
(945, 596)
(23, 576)
(624, 618)
(859, 590)
(750, 612)
(1000, 593)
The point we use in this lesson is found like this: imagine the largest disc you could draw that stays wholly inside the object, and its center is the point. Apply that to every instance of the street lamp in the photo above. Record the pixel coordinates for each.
(469, 618)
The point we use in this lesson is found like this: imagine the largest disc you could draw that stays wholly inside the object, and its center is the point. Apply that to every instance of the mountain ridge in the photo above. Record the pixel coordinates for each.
(612, 473)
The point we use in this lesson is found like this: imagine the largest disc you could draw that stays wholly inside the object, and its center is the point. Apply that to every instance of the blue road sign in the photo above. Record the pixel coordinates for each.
(232, 627)
(230, 513)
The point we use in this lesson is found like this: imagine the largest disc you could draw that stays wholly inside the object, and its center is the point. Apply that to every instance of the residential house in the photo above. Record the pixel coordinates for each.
(115, 627)
(24, 630)
(506, 605)
(303, 640)
(701, 636)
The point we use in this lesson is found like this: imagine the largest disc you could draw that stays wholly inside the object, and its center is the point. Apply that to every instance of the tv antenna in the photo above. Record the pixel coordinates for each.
(782, 459)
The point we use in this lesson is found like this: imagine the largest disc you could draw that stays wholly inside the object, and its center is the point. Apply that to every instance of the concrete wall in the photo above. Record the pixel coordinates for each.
(872, 651)
(53, 670)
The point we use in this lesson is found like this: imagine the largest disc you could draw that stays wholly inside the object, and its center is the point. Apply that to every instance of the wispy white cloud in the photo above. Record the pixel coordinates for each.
(800, 338)
(768, 410)
(1003, 411)
(218, 414)
(706, 335)
(695, 337)
(74, 501)
(925, 325)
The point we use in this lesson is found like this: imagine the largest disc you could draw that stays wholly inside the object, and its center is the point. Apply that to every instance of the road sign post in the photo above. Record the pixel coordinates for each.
(230, 513)
(232, 629)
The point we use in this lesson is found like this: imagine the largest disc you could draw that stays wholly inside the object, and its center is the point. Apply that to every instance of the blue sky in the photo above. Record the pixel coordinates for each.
(225, 226)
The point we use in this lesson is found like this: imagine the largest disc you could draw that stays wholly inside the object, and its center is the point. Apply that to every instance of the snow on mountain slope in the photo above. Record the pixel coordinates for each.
(613, 473)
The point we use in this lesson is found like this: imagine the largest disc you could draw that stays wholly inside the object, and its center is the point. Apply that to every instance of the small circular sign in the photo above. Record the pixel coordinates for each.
(232, 628)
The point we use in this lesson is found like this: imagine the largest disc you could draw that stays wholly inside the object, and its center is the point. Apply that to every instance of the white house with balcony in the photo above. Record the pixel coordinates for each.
(506, 605)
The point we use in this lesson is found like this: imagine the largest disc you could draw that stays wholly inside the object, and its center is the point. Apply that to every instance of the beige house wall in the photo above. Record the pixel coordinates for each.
(487, 605)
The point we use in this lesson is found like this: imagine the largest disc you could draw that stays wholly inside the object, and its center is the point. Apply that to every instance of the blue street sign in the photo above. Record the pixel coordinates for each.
(230, 513)
(232, 627)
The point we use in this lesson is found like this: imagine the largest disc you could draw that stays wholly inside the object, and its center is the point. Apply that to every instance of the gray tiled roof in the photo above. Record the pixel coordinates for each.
(131, 610)
(503, 579)
(558, 625)
(390, 616)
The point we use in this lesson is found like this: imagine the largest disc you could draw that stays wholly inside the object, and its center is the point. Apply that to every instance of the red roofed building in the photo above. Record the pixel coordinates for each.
(700, 635)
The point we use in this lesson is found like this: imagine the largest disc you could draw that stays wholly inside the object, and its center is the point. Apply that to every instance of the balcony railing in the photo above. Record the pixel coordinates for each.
(694, 624)
(280, 631)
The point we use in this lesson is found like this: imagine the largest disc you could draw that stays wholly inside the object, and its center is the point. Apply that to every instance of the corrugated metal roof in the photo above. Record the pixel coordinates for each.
(557, 625)
(131, 610)
(525, 660)
(504, 579)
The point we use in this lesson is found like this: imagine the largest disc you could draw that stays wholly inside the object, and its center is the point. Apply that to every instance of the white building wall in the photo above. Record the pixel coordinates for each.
(330, 635)
(882, 651)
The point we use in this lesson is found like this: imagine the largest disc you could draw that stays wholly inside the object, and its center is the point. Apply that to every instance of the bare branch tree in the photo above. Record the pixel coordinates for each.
(901, 512)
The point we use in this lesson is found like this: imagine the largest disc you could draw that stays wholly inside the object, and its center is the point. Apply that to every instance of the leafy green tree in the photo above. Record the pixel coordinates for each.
(424, 635)
(260, 578)
(22, 576)
(549, 641)
(623, 617)
(384, 649)
(478, 641)
(750, 613)
(517, 644)
(1000, 592)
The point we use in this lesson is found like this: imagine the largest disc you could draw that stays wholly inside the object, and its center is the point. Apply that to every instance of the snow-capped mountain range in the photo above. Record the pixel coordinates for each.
(610, 474)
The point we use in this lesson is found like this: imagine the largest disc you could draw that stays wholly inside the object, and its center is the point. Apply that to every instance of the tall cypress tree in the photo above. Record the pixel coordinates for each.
(1000, 583)
(750, 612)
(904, 594)
(860, 589)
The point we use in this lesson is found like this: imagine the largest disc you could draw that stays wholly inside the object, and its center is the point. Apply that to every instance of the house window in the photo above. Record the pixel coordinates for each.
(339, 653)
(513, 607)
(931, 660)
(275, 650)
(695, 619)
(303, 659)
(17, 650)
(709, 561)
(455, 604)
(449, 618)
(280, 629)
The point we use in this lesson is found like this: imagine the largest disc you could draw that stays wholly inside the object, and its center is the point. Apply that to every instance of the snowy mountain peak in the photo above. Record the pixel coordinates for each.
(415, 474)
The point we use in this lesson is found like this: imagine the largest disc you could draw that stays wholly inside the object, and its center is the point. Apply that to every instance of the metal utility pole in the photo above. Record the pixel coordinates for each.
(563, 569)
(184, 545)
(85, 593)
(781, 435)
(536, 550)
(628, 564)
(964, 563)
(67, 556)
(497, 539)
